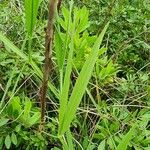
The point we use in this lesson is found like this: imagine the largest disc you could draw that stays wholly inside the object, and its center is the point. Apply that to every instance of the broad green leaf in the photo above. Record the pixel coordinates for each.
(27, 108)
(91, 147)
(14, 108)
(18, 128)
(34, 119)
(7, 142)
(16, 105)
(31, 9)
(102, 145)
(126, 139)
(14, 138)
(80, 85)
(3, 121)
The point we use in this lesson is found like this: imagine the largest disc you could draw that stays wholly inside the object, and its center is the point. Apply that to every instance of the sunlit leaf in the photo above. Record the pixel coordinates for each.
(80, 85)
(7, 142)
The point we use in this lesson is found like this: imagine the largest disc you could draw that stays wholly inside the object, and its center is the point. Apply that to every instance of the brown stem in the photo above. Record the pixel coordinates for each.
(59, 5)
(48, 61)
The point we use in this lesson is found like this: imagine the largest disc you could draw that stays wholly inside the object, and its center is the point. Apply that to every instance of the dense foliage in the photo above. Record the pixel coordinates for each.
(99, 87)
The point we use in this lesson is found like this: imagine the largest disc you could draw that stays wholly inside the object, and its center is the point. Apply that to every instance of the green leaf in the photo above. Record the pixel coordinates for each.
(14, 138)
(126, 139)
(7, 142)
(80, 85)
(11, 46)
(66, 15)
(27, 108)
(3, 121)
(18, 128)
(102, 145)
(1, 142)
(14, 108)
(16, 105)
(34, 119)
(66, 85)
(70, 140)
(60, 55)
(83, 22)
(31, 9)
(8, 85)
(56, 148)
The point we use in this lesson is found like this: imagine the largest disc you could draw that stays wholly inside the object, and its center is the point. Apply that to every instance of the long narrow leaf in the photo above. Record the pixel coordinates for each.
(59, 50)
(126, 139)
(7, 87)
(10, 45)
(70, 140)
(66, 85)
(81, 85)
(65, 88)
(31, 9)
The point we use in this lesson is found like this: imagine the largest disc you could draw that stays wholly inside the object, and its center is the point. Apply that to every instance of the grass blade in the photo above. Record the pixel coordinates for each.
(81, 85)
(7, 87)
(70, 140)
(59, 50)
(15, 49)
(126, 139)
(31, 9)
(66, 85)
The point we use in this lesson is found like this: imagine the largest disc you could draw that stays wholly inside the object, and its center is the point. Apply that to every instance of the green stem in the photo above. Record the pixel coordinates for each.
(30, 48)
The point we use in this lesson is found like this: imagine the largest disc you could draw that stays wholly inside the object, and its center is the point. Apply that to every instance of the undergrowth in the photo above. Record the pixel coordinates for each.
(98, 85)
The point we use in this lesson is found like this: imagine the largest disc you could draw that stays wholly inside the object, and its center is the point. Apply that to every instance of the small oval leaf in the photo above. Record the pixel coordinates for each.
(3, 121)
(7, 142)
(14, 138)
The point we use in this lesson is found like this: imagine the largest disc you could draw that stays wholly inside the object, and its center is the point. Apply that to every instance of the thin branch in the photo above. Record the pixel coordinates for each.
(48, 60)
(59, 5)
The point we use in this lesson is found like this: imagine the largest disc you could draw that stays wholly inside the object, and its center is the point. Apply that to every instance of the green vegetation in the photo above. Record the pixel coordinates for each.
(98, 89)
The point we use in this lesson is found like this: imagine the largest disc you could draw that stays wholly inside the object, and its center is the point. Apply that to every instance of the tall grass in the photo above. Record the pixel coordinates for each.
(31, 9)
(80, 87)
(68, 105)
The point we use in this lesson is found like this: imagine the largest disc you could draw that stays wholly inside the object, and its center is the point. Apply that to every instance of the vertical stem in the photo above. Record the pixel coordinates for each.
(59, 5)
(48, 60)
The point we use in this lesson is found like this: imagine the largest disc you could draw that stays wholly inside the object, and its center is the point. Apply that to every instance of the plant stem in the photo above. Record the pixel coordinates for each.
(30, 48)
(59, 5)
(48, 60)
